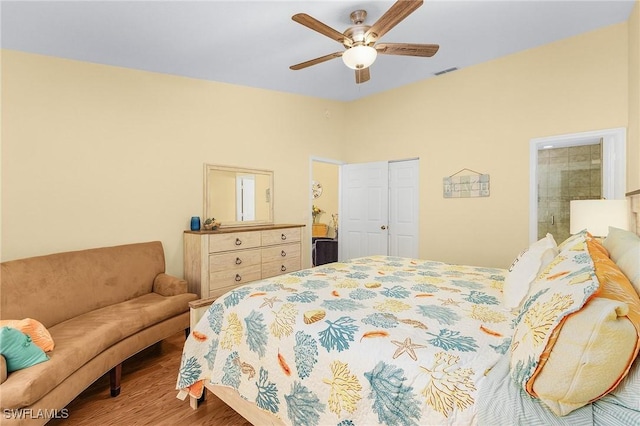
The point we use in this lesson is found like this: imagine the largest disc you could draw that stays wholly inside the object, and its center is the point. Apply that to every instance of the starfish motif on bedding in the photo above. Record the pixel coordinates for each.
(269, 301)
(449, 301)
(407, 347)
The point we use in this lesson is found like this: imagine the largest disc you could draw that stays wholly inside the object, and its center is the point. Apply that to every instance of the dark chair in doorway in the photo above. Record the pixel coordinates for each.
(325, 250)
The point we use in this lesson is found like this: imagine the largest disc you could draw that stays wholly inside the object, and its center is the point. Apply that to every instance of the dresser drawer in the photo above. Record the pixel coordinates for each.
(234, 260)
(280, 236)
(233, 241)
(217, 292)
(288, 264)
(216, 262)
(281, 252)
(234, 278)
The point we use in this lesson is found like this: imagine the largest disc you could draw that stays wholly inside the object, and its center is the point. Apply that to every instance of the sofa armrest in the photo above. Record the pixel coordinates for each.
(168, 285)
(3, 369)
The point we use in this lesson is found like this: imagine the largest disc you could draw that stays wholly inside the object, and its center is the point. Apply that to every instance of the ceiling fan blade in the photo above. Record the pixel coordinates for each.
(315, 61)
(396, 13)
(314, 24)
(407, 49)
(362, 75)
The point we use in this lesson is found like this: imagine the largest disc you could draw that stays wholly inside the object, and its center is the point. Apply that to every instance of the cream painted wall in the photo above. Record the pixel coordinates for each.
(633, 134)
(95, 155)
(483, 118)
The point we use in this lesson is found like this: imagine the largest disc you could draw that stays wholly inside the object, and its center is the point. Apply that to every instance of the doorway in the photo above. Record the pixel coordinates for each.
(325, 201)
(565, 174)
(561, 166)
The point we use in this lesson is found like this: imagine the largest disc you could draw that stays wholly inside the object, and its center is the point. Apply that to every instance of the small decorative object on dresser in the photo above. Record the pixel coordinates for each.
(218, 261)
(211, 224)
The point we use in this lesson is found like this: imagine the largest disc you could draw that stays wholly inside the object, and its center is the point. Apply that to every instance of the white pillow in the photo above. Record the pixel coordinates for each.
(624, 249)
(524, 270)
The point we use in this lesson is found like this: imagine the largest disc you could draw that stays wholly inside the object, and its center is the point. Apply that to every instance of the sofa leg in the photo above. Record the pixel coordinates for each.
(186, 332)
(114, 379)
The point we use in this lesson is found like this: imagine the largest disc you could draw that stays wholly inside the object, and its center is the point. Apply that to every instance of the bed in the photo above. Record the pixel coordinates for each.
(388, 340)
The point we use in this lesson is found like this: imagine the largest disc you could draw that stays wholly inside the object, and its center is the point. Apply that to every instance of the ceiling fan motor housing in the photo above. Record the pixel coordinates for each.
(357, 32)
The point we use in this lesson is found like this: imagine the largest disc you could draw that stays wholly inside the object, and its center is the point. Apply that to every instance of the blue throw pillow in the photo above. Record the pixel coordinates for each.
(18, 349)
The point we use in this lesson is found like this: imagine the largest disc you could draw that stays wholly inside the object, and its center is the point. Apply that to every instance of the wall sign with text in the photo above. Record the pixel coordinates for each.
(465, 186)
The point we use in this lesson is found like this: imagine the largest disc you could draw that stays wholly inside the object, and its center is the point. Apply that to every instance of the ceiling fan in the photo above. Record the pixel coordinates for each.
(360, 40)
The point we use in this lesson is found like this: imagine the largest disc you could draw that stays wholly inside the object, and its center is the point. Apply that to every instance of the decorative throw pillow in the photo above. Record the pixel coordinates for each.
(18, 350)
(573, 240)
(624, 248)
(561, 289)
(590, 351)
(34, 329)
(524, 270)
(3, 369)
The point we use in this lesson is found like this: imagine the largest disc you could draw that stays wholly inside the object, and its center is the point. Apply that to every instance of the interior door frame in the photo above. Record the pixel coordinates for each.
(338, 163)
(614, 165)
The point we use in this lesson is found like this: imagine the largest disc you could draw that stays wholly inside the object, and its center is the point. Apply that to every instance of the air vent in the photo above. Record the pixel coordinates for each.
(446, 71)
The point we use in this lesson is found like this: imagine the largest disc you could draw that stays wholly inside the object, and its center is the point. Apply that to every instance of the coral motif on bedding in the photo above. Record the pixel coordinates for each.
(376, 340)
(567, 283)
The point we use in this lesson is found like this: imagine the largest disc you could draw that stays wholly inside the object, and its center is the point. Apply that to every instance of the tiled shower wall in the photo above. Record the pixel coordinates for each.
(565, 174)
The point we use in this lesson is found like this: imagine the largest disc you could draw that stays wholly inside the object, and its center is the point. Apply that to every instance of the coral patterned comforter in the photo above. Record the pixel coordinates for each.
(375, 340)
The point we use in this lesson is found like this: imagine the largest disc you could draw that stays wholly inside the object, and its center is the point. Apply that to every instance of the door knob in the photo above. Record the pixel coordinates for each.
(383, 227)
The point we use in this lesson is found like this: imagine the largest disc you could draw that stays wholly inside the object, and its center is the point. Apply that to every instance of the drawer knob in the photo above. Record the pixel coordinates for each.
(283, 268)
(283, 253)
(238, 261)
(238, 241)
(283, 237)
(238, 278)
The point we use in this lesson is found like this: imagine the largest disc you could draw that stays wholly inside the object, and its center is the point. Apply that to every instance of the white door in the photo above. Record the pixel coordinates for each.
(364, 207)
(403, 208)
(245, 198)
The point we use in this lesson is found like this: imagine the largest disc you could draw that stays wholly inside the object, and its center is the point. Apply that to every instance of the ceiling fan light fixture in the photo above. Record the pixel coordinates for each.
(359, 57)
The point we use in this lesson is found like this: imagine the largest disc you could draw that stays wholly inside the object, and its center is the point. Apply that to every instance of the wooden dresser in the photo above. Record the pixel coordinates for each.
(217, 261)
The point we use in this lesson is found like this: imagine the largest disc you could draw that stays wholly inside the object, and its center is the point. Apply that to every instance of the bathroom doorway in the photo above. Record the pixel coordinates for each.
(588, 165)
(565, 174)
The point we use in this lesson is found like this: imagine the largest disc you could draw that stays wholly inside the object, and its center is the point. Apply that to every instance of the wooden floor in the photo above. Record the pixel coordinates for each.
(148, 395)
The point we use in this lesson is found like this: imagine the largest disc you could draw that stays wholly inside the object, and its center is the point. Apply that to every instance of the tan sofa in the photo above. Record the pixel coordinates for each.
(101, 306)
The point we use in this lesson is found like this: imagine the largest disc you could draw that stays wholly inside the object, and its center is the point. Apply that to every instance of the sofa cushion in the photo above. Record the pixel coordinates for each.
(74, 283)
(168, 285)
(18, 350)
(80, 339)
(34, 329)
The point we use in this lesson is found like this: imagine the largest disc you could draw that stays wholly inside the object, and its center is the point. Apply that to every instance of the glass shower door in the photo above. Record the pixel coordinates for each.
(565, 174)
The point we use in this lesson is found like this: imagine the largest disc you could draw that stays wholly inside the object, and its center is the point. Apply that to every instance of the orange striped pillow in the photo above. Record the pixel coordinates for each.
(37, 332)
(592, 350)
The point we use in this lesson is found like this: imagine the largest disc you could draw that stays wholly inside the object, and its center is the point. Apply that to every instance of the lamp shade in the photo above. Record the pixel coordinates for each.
(596, 216)
(359, 57)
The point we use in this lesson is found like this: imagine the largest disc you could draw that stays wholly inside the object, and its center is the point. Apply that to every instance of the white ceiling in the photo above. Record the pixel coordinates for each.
(253, 43)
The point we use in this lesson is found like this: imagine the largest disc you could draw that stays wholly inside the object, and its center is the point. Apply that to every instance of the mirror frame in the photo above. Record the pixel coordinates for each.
(206, 196)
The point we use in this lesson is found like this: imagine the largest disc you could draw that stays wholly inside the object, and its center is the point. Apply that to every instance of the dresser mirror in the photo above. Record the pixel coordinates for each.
(237, 196)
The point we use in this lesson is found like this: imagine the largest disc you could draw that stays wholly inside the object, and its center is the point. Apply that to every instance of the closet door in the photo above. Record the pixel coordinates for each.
(364, 206)
(403, 208)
